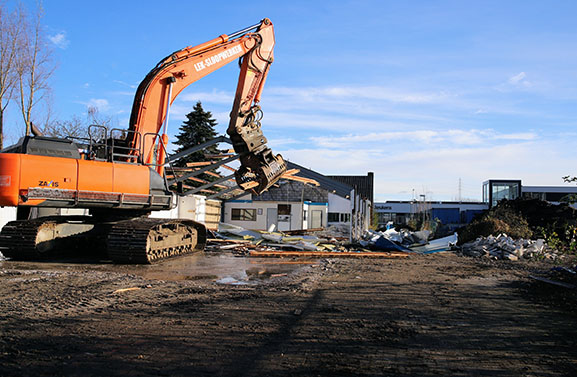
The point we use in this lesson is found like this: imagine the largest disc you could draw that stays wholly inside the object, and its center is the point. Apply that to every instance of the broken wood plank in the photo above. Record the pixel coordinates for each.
(197, 180)
(301, 179)
(213, 174)
(226, 155)
(291, 172)
(199, 163)
(324, 254)
(250, 185)
(218, 240)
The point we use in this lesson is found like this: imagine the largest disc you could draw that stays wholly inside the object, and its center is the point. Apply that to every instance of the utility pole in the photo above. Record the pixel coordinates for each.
(460, 187)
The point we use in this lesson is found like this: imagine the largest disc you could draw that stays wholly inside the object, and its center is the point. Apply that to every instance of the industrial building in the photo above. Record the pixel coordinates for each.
(498, 189)
(452, 214)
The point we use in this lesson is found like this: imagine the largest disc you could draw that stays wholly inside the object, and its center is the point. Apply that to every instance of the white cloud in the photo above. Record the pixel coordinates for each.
(402, 167)
(100, 103)
(422, 137)
(60, 40)
(517, 78)
(516, 81)
(312, 94)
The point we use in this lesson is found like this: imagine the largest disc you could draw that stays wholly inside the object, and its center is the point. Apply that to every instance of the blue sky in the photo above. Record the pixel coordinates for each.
(422, 93)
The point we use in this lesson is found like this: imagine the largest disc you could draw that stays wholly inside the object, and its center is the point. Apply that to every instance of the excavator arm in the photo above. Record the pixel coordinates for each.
(254, 45)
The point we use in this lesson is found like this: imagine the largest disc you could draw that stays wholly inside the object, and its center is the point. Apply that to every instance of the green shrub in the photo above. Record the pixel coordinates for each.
(527, 218)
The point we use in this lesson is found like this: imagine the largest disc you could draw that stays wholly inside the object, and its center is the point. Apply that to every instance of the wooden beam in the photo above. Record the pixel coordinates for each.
(199, 163)
(302, 179)
(219, 155)
(290, 172)
(213, 174)
(196, 180)
(324, 254)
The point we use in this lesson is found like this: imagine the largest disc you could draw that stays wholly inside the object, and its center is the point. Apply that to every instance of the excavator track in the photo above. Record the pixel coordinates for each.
(146, 240)
(44, 237)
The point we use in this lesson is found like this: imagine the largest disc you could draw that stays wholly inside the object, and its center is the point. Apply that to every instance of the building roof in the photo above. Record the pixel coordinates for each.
(339, 188)
(363, 184)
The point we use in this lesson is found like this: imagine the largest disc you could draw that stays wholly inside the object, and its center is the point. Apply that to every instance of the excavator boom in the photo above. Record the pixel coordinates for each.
(259, 167)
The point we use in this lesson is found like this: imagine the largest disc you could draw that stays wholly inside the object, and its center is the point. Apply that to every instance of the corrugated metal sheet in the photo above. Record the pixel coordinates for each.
(363, 184)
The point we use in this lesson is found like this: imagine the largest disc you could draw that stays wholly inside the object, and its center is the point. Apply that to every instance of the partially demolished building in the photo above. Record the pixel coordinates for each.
(293, 205)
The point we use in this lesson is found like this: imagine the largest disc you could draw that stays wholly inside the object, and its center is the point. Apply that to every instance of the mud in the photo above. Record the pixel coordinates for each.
(433, 315)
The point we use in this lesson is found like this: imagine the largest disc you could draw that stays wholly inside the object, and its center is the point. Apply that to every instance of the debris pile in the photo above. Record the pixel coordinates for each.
(408, 241)
(270, 243)
(337, 232)
(404, 237)
(505, 247)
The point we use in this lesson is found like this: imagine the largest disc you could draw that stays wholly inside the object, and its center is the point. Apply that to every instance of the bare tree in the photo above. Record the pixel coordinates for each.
(74, 128)
(34, 65)
(94, 117)
(10, 34)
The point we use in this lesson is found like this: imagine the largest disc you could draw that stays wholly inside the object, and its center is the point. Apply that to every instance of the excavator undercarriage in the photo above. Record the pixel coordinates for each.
(133, 241)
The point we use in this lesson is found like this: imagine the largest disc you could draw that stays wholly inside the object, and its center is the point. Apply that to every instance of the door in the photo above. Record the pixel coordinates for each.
(316, 219)
(271, 217)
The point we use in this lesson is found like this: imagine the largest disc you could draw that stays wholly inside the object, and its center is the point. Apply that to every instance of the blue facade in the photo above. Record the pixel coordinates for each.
(447, 215)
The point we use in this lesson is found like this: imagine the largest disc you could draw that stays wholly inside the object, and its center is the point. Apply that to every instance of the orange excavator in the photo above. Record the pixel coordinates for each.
(118, 175)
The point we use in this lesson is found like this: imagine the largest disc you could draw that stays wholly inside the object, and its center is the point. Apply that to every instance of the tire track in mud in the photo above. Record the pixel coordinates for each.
(41, 295)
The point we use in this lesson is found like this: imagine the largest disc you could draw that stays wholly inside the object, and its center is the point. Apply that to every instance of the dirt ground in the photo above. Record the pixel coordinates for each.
(436, 315)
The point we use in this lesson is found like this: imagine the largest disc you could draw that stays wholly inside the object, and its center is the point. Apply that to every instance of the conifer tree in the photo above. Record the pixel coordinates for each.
(198, 128)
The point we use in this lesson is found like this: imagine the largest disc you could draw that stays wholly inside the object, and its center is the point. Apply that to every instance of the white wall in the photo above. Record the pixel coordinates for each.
(7, 214)
(187, 207)
(261, 213)
(339, 204)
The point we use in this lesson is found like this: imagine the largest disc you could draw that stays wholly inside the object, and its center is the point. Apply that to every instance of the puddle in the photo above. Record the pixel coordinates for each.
(221, 268)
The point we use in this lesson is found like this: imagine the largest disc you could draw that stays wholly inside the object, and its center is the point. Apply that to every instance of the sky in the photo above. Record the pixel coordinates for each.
(434, 97)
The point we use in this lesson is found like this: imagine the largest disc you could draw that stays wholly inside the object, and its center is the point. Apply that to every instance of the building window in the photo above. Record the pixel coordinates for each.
(506, 190)
(243, 214)
(284, 209)
(555, 196)
(333, 217)
(336, 217)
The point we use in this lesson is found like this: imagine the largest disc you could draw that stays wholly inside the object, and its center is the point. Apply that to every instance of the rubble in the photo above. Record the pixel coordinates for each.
(298, 243)
(408, 241)
(505, 247)
(437, 245)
